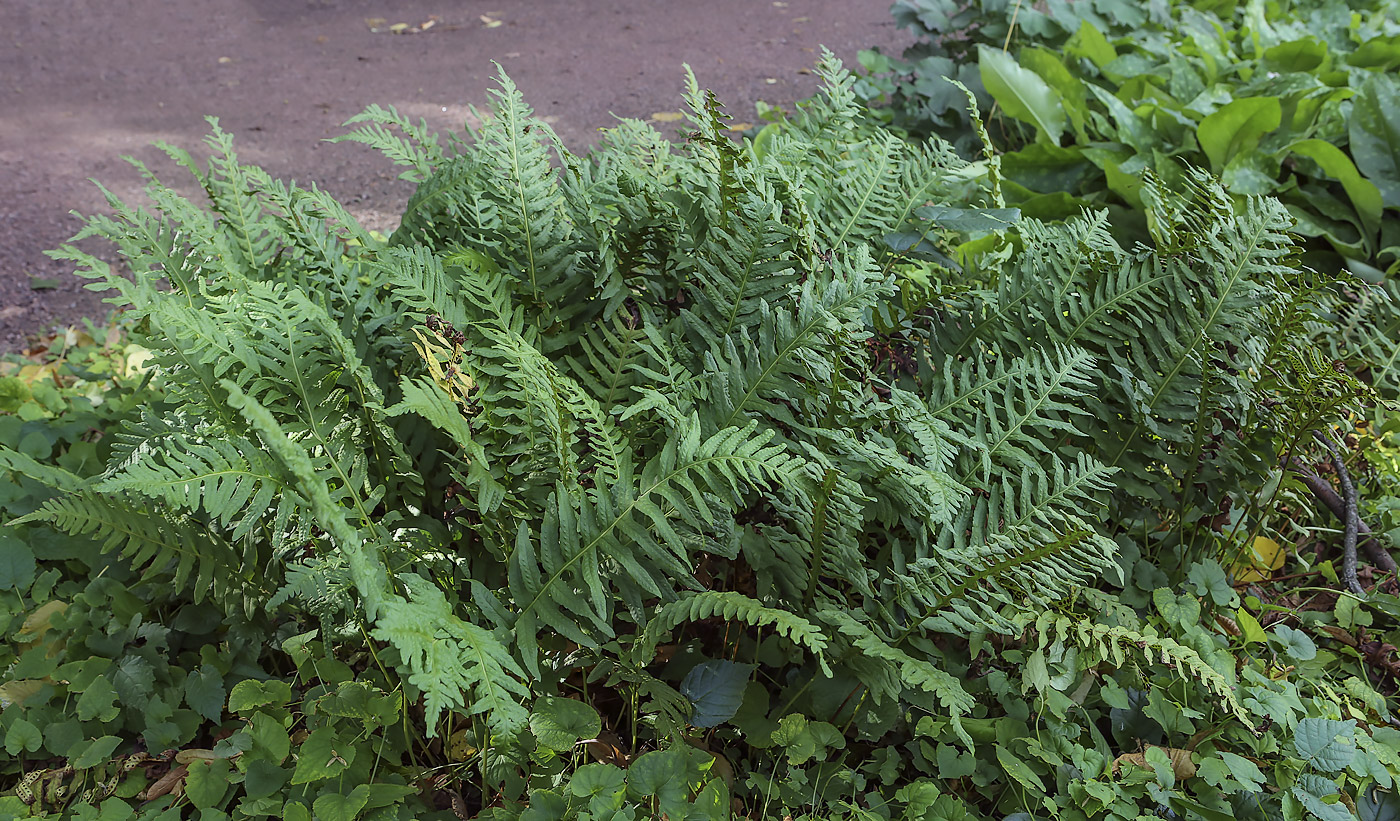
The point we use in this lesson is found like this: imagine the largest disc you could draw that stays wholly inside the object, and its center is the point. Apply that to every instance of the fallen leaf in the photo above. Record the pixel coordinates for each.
(429, 23)
(770, 80)
(607, 748)
(801, 19)
(399, 28)
(166, 784)
(1182, 765)
(667, 116)
(1265, 557)
(375, 22)
(225, 60)
(489, 21)
(460, 746)
(739, 127)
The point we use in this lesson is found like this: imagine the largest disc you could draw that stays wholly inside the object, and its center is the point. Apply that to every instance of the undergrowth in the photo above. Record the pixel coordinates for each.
(802, 478)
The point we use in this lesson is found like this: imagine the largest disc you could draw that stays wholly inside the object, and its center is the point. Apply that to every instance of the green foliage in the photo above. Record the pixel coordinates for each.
(779, 479)
(1290, 99)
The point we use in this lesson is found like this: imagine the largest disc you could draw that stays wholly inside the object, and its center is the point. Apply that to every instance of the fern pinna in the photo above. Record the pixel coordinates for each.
(575, 408)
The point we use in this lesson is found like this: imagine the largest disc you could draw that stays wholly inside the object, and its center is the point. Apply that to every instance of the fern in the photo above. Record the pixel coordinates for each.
(576, 403)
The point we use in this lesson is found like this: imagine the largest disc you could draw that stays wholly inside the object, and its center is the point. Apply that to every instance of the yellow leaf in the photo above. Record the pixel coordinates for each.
(1264, 557)
(667, 116)
(39, 622)
(398, 28)
(739, 127)
(459, 746)
(15, 692)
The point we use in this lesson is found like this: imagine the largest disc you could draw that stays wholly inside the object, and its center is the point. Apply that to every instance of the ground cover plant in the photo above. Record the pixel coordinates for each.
(1296, 100)
(800, 478)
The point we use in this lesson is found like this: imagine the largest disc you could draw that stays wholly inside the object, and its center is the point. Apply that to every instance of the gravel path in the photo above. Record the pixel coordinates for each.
(83, 83)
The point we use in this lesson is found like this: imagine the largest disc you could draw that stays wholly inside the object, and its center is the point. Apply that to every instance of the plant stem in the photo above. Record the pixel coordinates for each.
(1351, 519)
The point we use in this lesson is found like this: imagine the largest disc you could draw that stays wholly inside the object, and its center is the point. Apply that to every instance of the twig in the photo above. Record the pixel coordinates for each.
(1351, 518)
(1329, 498)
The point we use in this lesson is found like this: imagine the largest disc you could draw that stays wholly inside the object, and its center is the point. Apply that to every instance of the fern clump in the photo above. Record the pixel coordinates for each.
(671, 435)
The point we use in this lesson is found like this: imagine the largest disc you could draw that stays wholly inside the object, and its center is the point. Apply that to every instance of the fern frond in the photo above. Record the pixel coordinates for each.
(731, 606)
(224, 478)
(152, 542)
(458, 665)
(631, 528)
(886, 670)
(418, 149)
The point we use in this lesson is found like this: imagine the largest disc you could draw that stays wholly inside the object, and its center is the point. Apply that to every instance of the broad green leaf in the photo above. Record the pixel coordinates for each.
(98, 701)
(1022, 94)
(16, 563)
(955, 218)
(250, 693)
(1183, 611)
(597, 779)
(23, 737)
(1334, 162)
(559, 723)
(325, 754)
(715, 688)
(1324, 743)
(95, 753)
(270, 738)
(1208, 579)
(1374, 135)
(1236, 128)
(333, 806)
(1296, 643)
(207, 781)
(1311, 790)
(1380, 53)
(1250, 630)
(954, 763)
(656, 772)
(1019, 770)
(1089, 43)
(1244, 771)
(1070, 90)
(264, 778)
(1306, 54)
(204, 692)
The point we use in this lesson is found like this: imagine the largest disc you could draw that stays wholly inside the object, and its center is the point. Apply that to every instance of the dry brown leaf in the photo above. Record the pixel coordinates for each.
(1182, 765)
(607, 748)
(167, 784)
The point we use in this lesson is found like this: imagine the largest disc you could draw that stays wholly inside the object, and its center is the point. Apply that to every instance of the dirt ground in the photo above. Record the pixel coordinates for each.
(82, 84)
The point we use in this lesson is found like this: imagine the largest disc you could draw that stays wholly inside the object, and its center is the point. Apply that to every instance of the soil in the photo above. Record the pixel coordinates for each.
(82, 84)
